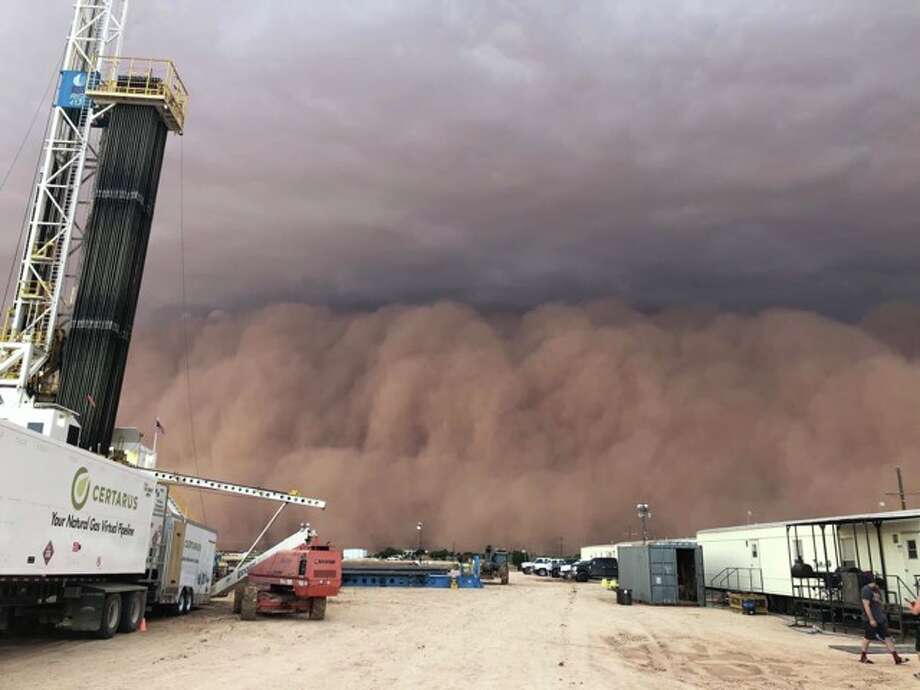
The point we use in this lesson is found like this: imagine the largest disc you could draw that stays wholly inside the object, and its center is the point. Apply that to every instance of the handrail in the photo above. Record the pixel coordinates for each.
(901, 596)
(145, 79)
(722, 579)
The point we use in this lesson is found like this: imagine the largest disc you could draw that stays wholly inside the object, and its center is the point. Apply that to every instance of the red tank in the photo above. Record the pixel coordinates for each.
(295, 581)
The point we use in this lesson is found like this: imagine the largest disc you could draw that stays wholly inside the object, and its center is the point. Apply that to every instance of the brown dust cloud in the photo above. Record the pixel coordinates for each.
(531, 429)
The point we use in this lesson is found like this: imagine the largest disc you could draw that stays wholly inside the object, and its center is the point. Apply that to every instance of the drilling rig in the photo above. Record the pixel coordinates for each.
(78, 521)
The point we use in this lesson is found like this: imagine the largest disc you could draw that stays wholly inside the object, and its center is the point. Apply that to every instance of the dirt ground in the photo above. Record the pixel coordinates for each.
(535, 633)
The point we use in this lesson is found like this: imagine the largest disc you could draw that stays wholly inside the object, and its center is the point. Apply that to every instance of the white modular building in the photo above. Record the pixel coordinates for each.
(598, 551)
(809, 559)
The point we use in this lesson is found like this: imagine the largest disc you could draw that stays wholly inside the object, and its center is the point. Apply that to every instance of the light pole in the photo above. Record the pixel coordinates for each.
(418, 526)
(644, 514)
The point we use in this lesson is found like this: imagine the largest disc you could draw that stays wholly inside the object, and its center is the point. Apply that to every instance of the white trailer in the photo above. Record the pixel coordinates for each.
(65, 511)
(72, 526)
(180, 566)
(747, 558)
(760, 557)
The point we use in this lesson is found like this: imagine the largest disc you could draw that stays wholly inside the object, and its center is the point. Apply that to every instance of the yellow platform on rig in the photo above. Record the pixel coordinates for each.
(142, 81)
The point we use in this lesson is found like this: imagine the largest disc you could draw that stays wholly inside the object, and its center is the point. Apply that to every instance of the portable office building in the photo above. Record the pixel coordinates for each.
(816, 559)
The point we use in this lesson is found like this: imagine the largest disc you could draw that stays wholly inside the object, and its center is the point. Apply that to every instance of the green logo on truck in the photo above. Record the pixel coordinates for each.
(79, 488)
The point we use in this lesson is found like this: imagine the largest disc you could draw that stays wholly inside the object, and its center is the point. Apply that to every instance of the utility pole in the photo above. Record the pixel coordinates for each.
(418, 526)
(900, 493)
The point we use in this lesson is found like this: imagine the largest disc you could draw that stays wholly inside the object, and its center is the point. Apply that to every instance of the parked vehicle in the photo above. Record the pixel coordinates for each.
(568, 571)
(596, 569)
(533, 567)
(542, 566)
(564, 564)
(180, 567)
(494, 565)
(292, 581)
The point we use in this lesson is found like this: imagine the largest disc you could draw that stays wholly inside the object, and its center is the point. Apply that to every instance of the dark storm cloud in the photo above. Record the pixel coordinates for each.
(732, 153)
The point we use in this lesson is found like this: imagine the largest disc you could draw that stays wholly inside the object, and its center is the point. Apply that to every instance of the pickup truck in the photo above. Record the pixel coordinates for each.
(538, 566)
(546, 567)
(560, 568)
(595, 569)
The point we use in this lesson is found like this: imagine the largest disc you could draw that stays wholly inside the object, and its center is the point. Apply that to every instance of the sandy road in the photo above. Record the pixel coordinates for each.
(536, 633)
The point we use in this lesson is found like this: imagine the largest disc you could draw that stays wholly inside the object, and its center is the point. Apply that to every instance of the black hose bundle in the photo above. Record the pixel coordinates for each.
(114, 252)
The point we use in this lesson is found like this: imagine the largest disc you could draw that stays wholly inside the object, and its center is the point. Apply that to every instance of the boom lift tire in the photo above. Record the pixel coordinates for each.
(318, 608)
(111, 616)
(238, 598)
(132, 610)
(250, 603)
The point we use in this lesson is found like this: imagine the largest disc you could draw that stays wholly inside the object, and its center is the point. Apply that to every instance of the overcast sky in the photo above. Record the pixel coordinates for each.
(732, 153)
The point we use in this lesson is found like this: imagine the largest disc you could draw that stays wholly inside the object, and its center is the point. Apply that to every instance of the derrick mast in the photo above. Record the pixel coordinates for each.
(64, 342)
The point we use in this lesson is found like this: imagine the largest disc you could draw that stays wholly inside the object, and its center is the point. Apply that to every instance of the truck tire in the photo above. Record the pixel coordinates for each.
(317, 608)
(132, 610)
(111, 616)
(504, 577)
(542, 572)
(188, 600)
(175, 609)
(238, 598)
(250, 603)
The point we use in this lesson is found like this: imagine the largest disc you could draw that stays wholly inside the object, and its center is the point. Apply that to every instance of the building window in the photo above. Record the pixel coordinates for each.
(912, 549)
(37, 427)
(894, 538)
(754, 549)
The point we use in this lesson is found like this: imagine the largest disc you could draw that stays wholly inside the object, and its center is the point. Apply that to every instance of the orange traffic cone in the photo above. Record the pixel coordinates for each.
(143, 626)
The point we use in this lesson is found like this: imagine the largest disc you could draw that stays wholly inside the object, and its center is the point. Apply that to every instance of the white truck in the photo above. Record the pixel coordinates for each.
(88, 543)
(539, 566)
(74, 535)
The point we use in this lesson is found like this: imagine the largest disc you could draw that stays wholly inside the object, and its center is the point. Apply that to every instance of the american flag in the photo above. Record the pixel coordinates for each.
(159, 427)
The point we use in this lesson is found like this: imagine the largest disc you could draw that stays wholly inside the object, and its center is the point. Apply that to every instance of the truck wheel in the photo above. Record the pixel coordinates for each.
(505, 578)
(111, 616)
(187, 601)
(238, 598)
(542, 572)
(132, 610)
(176, 608)
(250, 603)
(318, 608)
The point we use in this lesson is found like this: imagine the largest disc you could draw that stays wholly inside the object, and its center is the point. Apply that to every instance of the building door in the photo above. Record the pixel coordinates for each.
(663, 574)
(754, 546)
